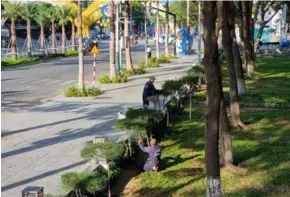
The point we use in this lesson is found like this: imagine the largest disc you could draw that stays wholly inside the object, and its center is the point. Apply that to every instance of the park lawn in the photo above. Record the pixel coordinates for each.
(262, 154)
(270, 83)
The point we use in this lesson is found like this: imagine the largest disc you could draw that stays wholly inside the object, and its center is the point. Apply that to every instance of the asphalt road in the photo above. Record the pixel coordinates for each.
(26, 86)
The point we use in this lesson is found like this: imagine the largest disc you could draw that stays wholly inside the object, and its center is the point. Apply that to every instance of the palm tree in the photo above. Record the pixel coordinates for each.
(28, 13)
(129, 65)
(80, 42)
(52, 15)
(12, 11)
(41, 19)
(63, 15)
(73, 14)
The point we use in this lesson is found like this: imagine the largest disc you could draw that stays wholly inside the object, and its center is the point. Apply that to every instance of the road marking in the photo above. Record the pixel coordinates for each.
(69, 82)
(41, 81)
(53, 82)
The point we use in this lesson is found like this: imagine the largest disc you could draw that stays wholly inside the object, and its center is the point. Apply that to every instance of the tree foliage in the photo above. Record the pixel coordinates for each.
(179, 7)
(111, 151)
(90, 182)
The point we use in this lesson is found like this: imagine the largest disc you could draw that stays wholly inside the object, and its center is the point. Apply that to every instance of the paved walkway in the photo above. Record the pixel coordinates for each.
(40, 144)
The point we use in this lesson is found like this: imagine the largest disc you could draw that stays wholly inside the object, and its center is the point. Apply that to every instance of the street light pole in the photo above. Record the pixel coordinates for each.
(117, 61)
(199, 35)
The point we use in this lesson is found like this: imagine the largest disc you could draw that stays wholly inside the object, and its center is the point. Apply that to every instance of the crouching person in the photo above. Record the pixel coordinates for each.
(154, 152)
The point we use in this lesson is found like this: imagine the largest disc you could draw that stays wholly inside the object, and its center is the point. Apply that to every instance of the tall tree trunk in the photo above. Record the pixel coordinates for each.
(214, 98)
(29, 53)
(53, 38)
(226, 158)
(228, 25)
(157, 30)
(42, 37)
(13, 39)
(167, 29)
(241, 29)
(237, 58)
(80, 42)
(73, 35)
(129, 65)
(63, 39)
(247, 38)
(112, 41)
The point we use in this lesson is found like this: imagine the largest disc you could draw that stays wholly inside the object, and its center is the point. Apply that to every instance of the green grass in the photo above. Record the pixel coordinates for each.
(14, 62)
(263, 151)
(86, 92)
(270, 83)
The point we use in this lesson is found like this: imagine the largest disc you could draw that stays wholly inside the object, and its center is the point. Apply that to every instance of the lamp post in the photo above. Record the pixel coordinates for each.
(117, 61)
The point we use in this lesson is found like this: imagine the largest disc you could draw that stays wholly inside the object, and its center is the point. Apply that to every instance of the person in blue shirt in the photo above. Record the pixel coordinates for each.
(148, 90)
(154, 152)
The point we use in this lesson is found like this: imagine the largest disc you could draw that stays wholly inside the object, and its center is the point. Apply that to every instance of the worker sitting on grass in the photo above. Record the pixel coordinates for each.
(154, 152)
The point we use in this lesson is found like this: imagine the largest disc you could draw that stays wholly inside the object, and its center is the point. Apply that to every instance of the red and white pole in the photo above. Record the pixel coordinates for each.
(94, 70)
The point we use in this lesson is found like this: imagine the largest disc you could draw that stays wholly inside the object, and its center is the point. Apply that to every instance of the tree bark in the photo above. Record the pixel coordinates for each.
(63, 39)
(187, 15)
(73, 35)
(226, 158)
(53, 38)
(167, 29)
(29, 53)
(42, 37)
(80, 42)
(214, 99)
(13, 39)
(247, 38)
(237, 58)
(228, 43)
(241, 29)
(129, 65)
(112, 41)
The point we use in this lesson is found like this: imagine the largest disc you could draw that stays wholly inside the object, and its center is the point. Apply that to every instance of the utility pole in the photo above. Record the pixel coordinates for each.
(157, 32)
(117, 61)
(199, 34)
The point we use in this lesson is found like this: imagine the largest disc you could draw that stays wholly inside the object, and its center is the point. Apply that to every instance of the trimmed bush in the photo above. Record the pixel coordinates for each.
(106, 79)
(13, 62)
(87, 182)
(71, 52)
(111, 151)
(164, 59)
(86, 92)
(139, 71)
(153, 62)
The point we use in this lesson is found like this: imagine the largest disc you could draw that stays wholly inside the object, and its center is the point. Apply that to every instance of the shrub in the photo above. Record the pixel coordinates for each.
(173, 57)
(164, 59)
(190, 80)
(153, 62)
(141, 65)
(13, 62)
(86, 92)
(71, 52)
(120, 79)
(111, 151)
(171, 86)
(88, 182)
(104, 79)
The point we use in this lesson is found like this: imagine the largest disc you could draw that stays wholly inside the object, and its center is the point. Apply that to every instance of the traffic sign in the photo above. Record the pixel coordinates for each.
(95, 50)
